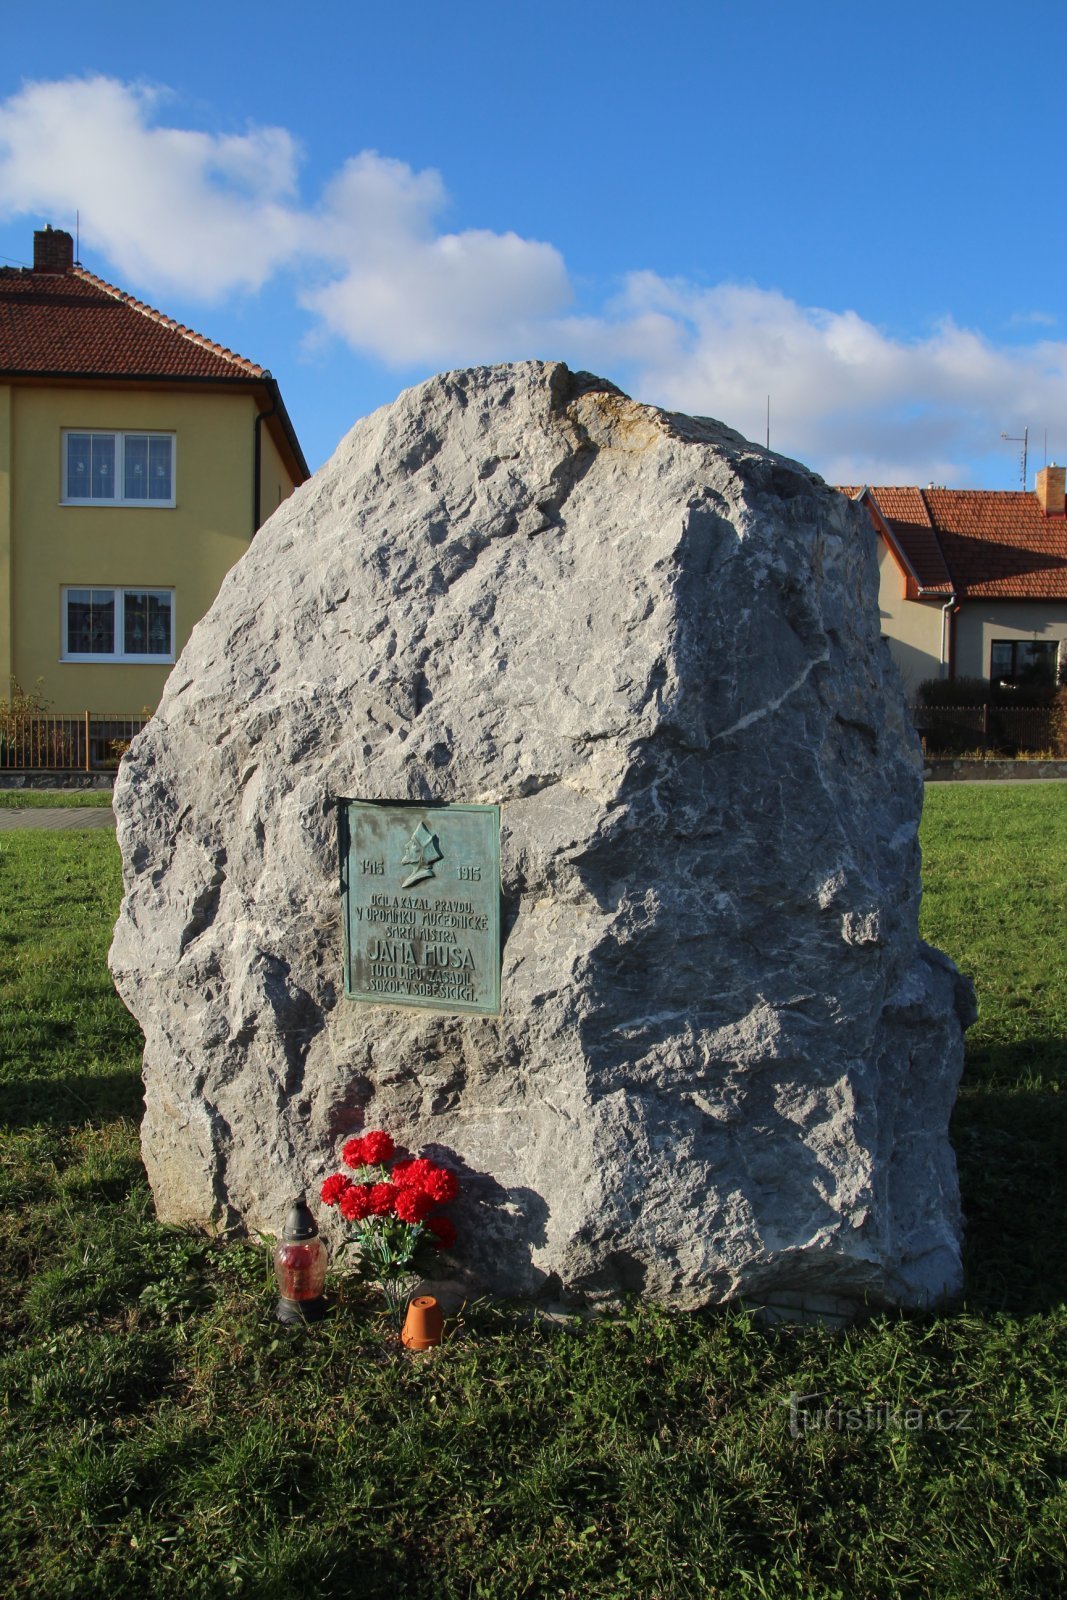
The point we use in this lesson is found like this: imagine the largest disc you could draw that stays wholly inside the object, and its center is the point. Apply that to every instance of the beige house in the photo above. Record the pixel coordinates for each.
(973, 583)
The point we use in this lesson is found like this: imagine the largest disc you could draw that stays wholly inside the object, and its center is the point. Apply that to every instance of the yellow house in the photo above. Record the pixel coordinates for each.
(137, 460)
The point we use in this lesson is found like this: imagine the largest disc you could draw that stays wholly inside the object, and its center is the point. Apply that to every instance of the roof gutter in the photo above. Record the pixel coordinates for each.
(948, 635)
(277, 409)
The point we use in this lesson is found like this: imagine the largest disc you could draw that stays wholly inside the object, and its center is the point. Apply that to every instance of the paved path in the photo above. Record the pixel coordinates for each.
(56, 818)
(987, 783)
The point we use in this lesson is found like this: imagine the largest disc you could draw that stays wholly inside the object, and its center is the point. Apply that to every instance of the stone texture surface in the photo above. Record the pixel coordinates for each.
(724, 1062)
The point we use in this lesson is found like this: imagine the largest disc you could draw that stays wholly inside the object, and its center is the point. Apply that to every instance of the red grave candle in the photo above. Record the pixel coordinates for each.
(300, 1267)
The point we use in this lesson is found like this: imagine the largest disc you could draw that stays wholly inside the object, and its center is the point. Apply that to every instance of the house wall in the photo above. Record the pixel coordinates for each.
(912, 627)
(981, 621)
(188, 548)
(275, 484)
(5, 540)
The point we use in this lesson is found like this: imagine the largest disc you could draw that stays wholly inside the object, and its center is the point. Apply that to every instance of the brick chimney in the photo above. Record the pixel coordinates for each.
(53, 250)
(1049, 487)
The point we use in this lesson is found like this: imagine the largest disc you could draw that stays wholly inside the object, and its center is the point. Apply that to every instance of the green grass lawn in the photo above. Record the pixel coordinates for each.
(163, 1436)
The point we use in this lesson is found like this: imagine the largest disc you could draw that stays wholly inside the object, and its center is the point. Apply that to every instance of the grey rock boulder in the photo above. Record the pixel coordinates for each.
(724, 1063)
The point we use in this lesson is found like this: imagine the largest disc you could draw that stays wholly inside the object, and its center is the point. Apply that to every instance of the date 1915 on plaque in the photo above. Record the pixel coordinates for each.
(420, 888)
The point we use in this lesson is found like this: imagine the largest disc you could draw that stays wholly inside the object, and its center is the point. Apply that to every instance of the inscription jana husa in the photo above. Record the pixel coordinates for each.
(422, 890)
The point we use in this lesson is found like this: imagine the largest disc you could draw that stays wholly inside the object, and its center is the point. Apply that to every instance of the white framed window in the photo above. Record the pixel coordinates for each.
(117, 469)
(110, 624)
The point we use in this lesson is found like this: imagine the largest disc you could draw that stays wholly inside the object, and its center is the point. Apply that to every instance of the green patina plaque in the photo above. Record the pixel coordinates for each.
(420, 886)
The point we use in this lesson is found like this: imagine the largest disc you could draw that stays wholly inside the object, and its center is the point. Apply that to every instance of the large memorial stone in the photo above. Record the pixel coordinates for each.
(716, 1058)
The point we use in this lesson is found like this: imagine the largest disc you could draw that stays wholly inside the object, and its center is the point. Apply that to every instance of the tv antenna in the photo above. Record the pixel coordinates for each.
(1025, 442)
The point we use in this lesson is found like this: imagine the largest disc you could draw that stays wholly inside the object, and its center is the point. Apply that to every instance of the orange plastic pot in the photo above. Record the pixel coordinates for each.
(423, 1324)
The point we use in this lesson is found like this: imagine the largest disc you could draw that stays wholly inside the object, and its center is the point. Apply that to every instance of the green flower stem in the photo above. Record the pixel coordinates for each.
(387, 1248)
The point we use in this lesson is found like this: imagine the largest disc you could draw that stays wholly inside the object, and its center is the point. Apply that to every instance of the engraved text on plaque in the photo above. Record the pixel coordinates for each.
(421, 892)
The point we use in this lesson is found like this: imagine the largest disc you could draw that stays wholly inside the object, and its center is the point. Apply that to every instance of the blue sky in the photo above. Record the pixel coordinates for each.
(853, 209)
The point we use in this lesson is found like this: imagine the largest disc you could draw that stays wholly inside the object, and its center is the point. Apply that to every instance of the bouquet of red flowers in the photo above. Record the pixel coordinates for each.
(392, 1212)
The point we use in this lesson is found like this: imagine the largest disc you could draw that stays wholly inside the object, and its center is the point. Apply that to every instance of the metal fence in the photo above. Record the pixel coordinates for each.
(93, 742)
(87, 742)
(952, 730)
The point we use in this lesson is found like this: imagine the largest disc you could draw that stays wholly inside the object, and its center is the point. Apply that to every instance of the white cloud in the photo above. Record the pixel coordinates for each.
(1043, 319)
(845, 396)
(410, 295)
(460, 298)
(375, 205)
(198, 213)
(205, 215)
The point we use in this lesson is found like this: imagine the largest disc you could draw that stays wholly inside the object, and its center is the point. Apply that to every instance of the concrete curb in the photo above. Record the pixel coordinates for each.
(56, 819)
(948, 769)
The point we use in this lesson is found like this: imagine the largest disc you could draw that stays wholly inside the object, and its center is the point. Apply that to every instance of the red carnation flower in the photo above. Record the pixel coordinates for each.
(444, 1231)
(355, 1202)
(352, 1154)
(377, 1148)
(382, 1199)
(334, 1188)
(412, 1205)
(440, 1184)
(412, 1173)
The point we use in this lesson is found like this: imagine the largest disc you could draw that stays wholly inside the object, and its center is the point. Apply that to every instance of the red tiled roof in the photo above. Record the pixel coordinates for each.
(1000, 545)
(74, 324)
(904, 513)
(994, 544)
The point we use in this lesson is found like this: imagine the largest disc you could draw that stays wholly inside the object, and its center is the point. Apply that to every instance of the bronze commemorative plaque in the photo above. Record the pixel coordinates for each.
(420, 887)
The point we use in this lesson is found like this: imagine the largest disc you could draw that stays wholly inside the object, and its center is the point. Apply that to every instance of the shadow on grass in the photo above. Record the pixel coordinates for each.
(1011, 1147)
(71, 1101)
(1022, 1064)
(325, 1568)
